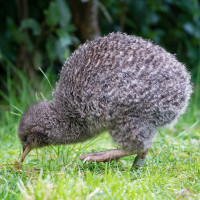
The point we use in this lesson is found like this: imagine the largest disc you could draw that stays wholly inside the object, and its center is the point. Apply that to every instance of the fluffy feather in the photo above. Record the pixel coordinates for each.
(120, 83)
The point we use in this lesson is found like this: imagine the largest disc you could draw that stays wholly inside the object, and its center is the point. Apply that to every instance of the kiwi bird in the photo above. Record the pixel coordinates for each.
(123, 84)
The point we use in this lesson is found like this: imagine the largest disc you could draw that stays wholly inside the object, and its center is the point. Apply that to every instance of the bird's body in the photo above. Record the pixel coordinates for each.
(120, 83)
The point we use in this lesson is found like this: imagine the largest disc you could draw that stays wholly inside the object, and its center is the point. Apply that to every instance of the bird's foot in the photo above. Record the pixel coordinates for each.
(138, 162)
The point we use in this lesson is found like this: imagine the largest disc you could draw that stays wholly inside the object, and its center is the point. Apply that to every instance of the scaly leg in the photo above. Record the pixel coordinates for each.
(114, 154)
(139, 160)
(105, 156)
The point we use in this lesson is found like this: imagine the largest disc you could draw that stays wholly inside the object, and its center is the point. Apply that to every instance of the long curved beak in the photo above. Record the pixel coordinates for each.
(24, 154)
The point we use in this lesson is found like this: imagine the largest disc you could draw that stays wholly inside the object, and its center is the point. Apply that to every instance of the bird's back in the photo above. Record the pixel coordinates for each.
(120, 75)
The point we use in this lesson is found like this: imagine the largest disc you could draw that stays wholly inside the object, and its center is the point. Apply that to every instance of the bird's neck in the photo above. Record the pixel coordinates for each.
(66, 129)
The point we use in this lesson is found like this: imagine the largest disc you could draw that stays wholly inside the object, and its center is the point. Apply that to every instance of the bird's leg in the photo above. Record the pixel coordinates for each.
(105, 156)
(139, 159)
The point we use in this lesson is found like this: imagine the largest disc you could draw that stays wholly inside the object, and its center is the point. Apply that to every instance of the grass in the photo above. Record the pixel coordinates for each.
(171, 170)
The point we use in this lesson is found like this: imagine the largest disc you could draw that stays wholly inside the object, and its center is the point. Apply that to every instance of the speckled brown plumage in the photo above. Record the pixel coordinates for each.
(120, 83)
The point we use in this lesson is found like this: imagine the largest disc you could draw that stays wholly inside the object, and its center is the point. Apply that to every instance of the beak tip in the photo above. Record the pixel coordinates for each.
(24, 154)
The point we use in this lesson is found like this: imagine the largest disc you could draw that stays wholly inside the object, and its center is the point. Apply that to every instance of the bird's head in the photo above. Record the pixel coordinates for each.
(35, 126)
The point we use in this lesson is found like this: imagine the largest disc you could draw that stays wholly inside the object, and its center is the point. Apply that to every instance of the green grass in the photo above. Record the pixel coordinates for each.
(171, 170)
